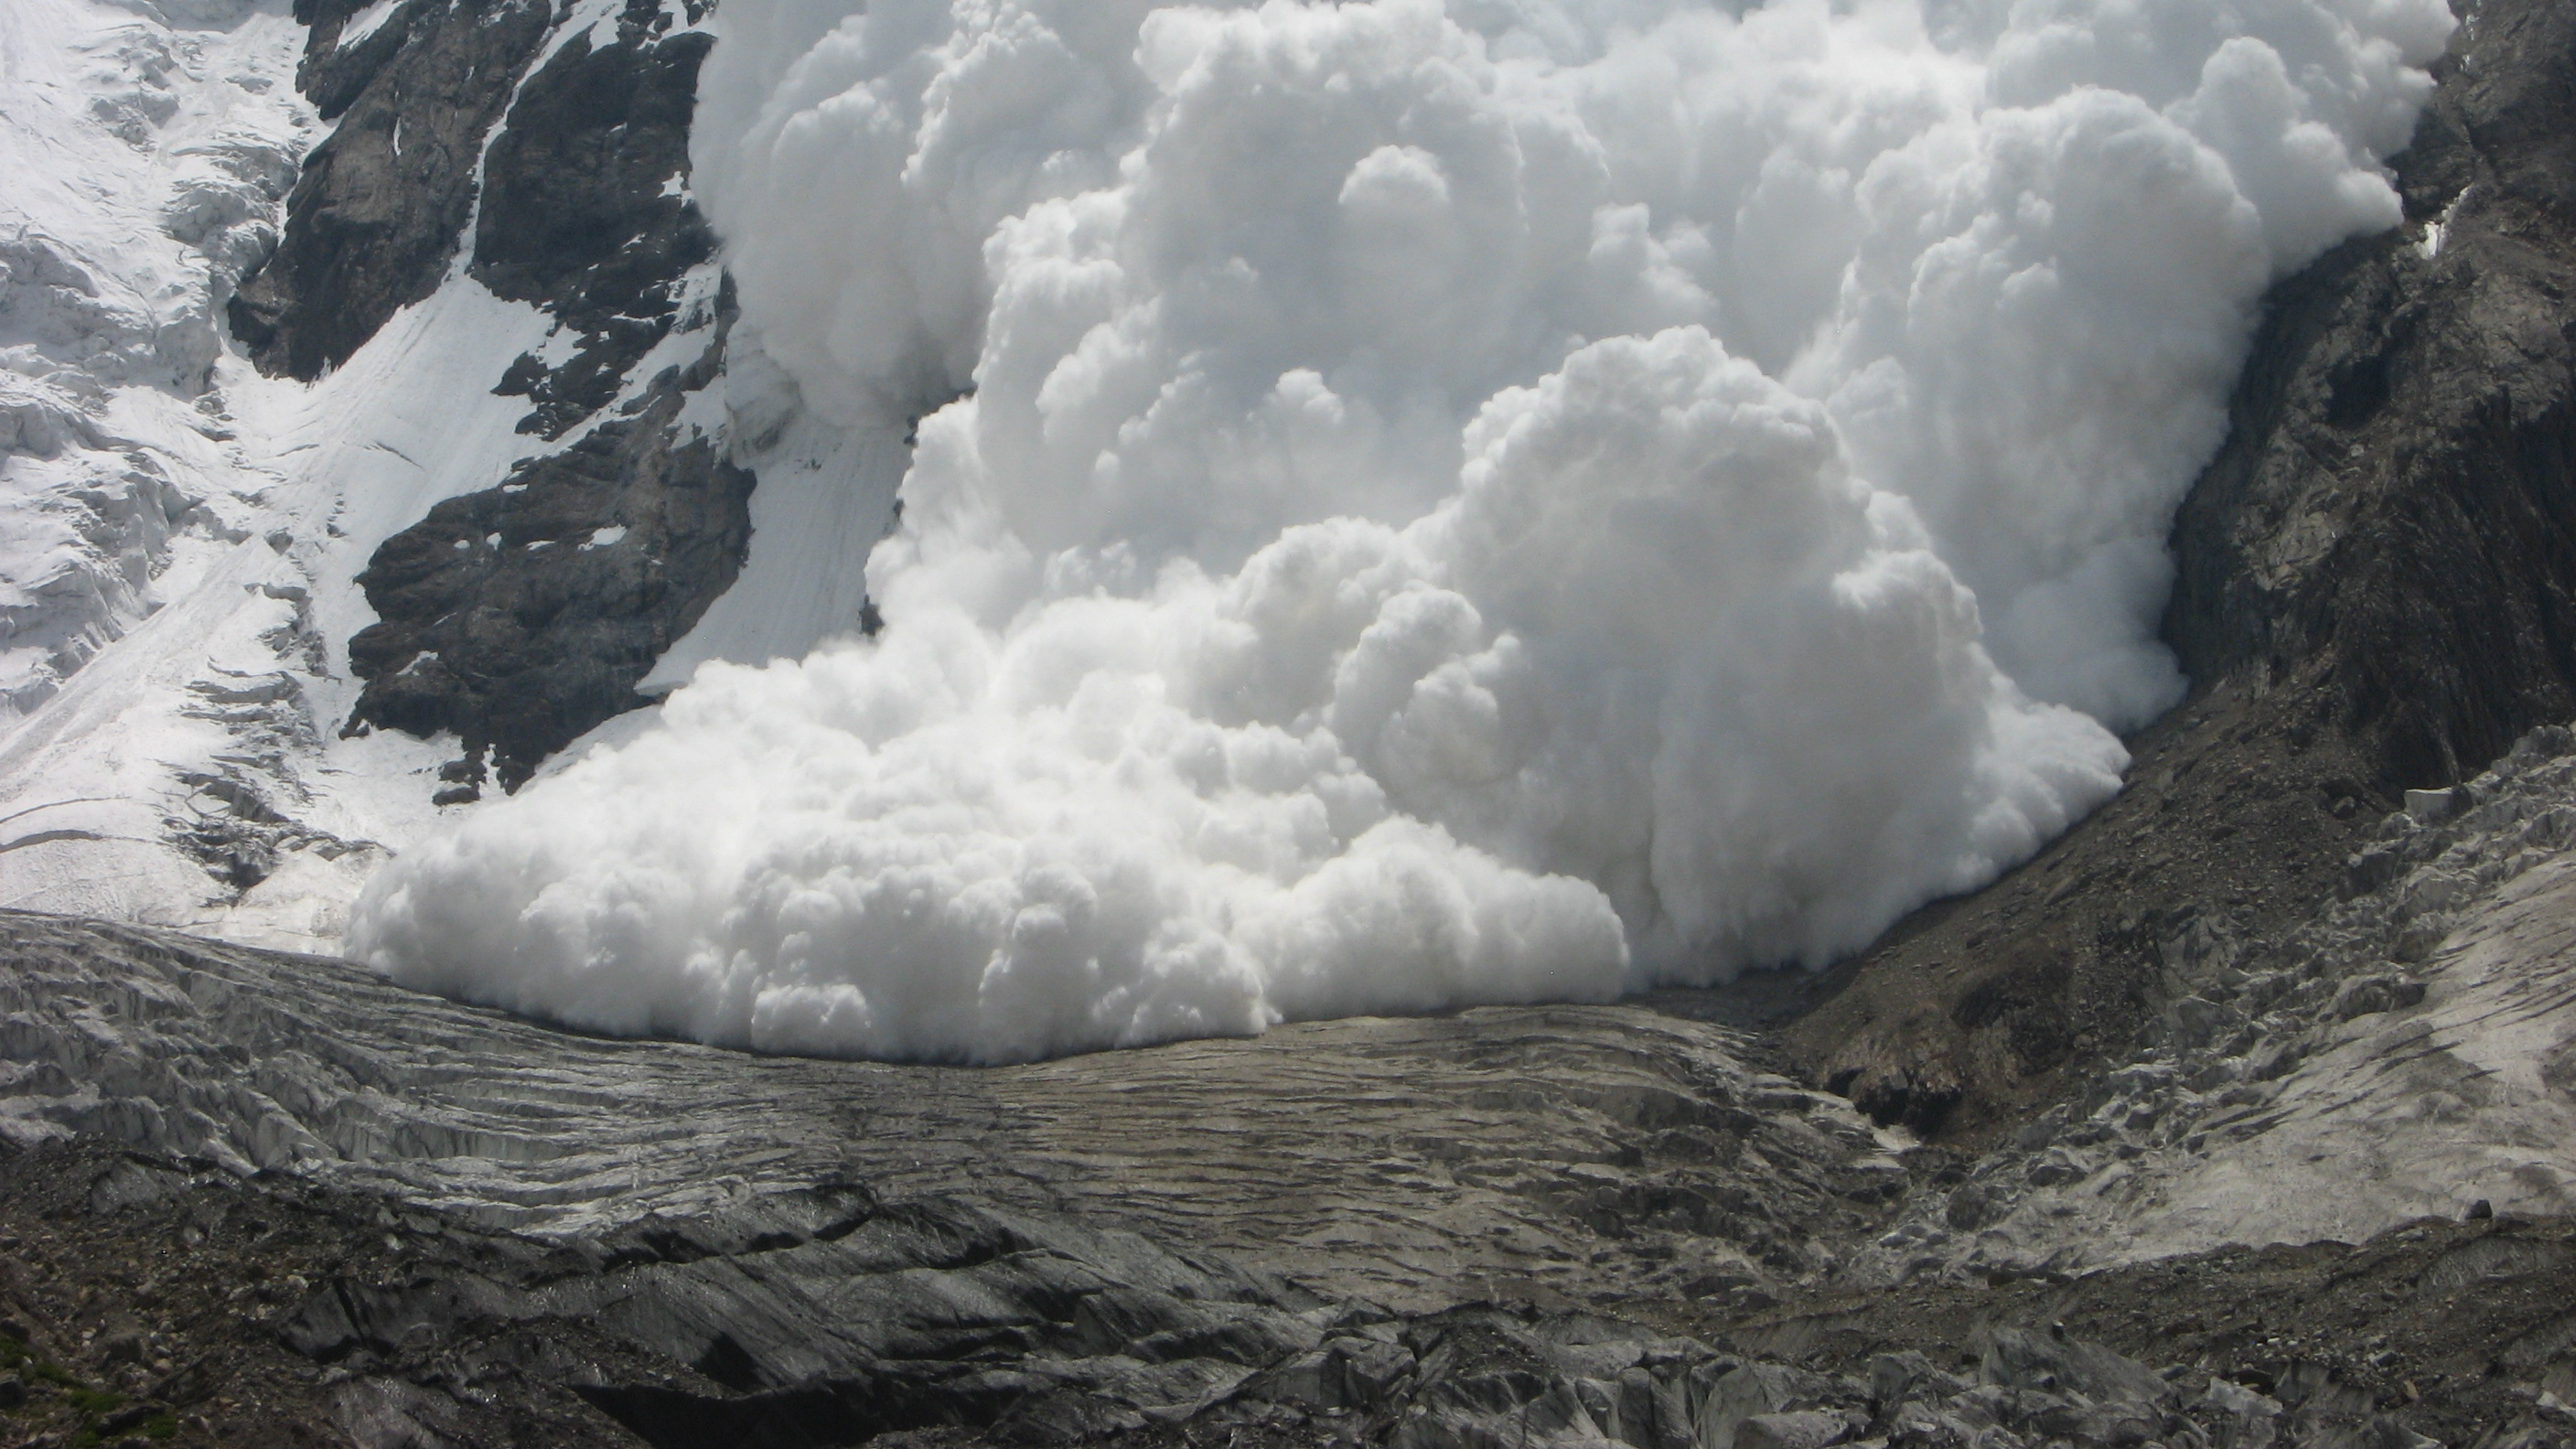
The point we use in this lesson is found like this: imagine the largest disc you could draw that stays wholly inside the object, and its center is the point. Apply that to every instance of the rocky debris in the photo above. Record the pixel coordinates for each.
(519, 617)
(377, 214)
(153, 1295)
(144, 1297)
(2387, 1059)
(2376, 589)
(1556, 1155)
(2448, 1332)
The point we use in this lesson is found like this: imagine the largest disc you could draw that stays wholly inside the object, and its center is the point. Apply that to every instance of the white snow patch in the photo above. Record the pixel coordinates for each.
(366, 22)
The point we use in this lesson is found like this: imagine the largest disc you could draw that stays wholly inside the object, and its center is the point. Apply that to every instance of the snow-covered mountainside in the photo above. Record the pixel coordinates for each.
(459, 460)
(146, 162)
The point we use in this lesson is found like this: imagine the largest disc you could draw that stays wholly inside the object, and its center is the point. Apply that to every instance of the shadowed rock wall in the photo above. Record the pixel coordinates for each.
(373, 221)
(520, 616)
(2376, 590)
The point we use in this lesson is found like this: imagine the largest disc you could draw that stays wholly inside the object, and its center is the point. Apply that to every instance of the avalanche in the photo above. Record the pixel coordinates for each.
(1425, 504)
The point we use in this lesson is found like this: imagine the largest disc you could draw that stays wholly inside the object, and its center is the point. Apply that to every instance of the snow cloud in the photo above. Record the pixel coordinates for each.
(1425, 504)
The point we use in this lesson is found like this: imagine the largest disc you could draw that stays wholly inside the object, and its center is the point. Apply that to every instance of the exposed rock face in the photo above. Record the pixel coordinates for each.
(2377, 591)
(2391, 531)
(579, 214)
(523, 615)
(2409, 1052)
(373, 222)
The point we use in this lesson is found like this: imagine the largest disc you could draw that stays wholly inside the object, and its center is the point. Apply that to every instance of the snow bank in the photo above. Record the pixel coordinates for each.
(1458, 503)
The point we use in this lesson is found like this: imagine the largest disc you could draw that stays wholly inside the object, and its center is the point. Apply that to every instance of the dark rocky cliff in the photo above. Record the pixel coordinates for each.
(522, 615)
(2390, 533)
(2377, 591)
(372, 224)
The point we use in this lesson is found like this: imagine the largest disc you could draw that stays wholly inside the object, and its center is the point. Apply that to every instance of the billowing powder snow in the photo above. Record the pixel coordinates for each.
(1429, 504)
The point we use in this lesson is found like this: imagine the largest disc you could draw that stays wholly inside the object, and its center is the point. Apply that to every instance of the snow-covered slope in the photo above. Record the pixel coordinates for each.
(182, 537)
(147, 154)
(145, 162)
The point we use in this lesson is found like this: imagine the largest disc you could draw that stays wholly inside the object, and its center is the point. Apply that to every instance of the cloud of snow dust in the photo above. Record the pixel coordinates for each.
(1433, 503)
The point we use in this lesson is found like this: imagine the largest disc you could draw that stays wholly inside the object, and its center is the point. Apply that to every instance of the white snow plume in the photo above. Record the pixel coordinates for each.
(1456, 503)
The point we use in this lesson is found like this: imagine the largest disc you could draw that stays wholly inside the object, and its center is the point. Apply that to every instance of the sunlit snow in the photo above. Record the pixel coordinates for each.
(1423, 505)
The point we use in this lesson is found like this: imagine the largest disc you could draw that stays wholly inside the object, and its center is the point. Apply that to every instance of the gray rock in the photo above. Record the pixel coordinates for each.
(2243, 1419)
(1344, 1373)
(1810, 1429)
(2432, 807)
(519, 617)
(2056, 1168)
(1919, 1426)
(2384, 518)
(1755, 1391)
(2054, 1363)
(383, 201)
(585, 211)
(1896, 1378)
(2197, 1021)
(2368, 995)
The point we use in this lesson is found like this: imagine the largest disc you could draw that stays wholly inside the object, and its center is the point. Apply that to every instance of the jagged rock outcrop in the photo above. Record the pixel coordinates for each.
(520, 616)
(579, 214)
(2390, 533)
(2376, 591)
(373, 222)
(2411, 1051)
